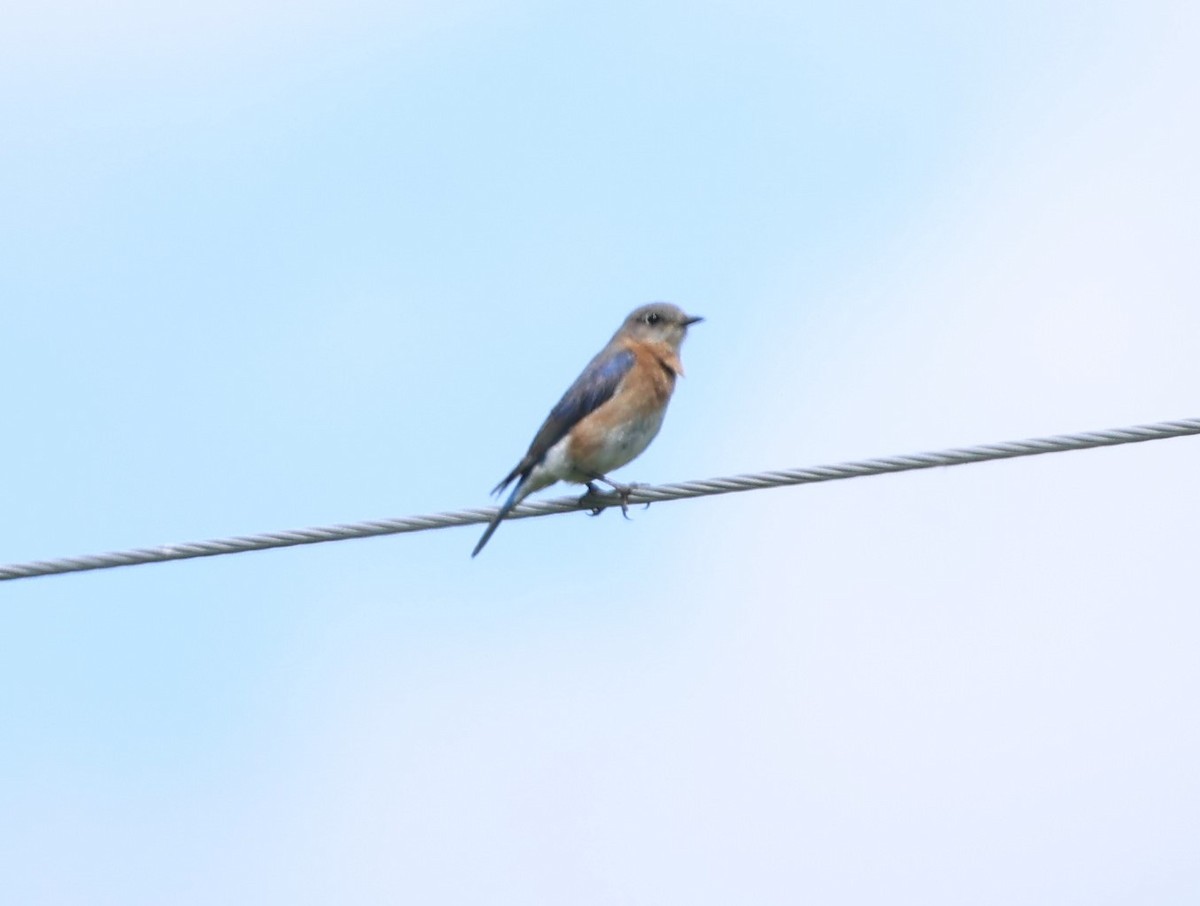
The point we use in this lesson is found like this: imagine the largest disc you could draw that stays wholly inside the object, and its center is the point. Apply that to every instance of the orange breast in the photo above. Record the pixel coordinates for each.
(623, 427)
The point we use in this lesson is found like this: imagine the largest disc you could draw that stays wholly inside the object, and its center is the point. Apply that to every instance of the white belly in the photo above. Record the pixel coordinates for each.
(620, 446)
(624, 444)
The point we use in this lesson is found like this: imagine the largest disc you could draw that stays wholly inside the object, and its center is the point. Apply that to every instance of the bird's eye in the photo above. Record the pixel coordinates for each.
(653, 318)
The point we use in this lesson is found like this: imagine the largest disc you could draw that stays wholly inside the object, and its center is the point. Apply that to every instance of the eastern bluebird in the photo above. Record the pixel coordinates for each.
(609, 415)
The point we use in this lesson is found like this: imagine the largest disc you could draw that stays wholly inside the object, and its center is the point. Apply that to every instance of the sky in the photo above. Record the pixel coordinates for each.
(265, 266)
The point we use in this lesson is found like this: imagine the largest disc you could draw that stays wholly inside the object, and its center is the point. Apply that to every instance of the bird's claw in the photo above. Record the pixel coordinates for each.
(593, 497)
(623, 492)
(600, 501)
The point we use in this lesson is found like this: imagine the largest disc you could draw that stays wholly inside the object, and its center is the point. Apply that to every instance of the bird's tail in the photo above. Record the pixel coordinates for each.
(517, 495)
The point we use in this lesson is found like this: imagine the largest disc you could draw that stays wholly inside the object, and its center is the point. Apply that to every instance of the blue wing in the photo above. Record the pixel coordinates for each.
(591, 390)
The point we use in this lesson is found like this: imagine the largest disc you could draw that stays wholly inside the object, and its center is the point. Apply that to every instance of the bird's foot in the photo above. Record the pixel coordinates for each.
(593, 500)
(622, 491)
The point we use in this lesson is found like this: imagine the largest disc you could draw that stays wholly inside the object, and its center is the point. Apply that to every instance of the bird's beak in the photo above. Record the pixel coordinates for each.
(692, 319)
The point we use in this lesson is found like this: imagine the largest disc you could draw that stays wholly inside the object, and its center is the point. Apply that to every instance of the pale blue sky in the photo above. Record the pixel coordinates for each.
(270, 267)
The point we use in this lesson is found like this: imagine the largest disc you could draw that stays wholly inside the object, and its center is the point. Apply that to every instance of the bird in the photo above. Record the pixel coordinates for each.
(608, 417)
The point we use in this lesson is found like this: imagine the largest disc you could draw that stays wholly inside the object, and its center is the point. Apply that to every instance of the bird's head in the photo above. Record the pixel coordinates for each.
(659, 322)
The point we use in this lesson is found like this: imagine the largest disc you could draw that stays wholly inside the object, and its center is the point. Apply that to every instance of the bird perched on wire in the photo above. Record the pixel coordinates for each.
(609, 415)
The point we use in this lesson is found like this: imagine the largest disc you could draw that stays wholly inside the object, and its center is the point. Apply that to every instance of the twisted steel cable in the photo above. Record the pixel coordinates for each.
(640, 494)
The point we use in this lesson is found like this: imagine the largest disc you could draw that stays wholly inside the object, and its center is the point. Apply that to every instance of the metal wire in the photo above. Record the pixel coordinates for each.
(641, 494)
